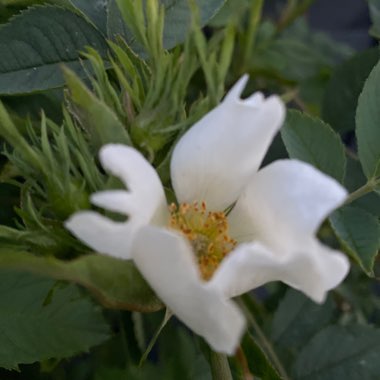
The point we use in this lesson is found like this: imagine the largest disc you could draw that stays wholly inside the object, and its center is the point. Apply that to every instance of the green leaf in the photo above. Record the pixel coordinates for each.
(367, 125)
(258, 362)
(304, 136)
(344, 88)
(95, 10)
(374, 11)
(297, 319)
(115, 283)
(177, 21)
(101, 123)
(232, 9)
(359, 232)
(298, 53)
(35, 44)
(178, 18)
(39, 323)
(147, 372)
(32, 105)
(338, 353)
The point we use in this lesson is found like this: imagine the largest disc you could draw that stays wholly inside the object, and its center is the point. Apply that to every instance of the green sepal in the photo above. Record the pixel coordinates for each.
(99, 120)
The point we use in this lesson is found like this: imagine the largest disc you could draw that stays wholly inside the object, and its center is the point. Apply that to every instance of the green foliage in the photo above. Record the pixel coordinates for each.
(303, 137)
(52, 153)
(39, 321)
(297, 320)
(342, 93)
(61, 34)
(96, 11)
(354, 180)
(340, 353)
(35, 44)
(115, 283)
(175, 27)
(297, 54)
(231, 9)
(367, 125)
(258, 362)
(374, 10)
(92, 113)
(359, 232)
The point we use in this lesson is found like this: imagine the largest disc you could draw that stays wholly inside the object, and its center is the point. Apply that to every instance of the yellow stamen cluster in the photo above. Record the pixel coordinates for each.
(207, 231)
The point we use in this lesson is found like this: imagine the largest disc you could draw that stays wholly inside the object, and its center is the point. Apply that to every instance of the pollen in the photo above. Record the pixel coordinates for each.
(207, 232)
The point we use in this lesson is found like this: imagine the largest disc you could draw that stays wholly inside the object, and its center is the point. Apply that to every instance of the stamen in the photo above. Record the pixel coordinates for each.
(207, 232)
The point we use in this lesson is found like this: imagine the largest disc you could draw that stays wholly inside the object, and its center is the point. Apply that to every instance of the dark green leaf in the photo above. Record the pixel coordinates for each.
(374, 11)
(298, 53)
(231, 9)
(117, 27)
(95, 10)
(338, 353)
(147, 372)
(115, 283)
(178, 18)
(38, 323)
(101, 123)
(367, 125)
(35, 44)
(258, 362)
(359, 232)
(297, 319)
(304, 136)
(32, 105)
(177, 21)
(344, 88)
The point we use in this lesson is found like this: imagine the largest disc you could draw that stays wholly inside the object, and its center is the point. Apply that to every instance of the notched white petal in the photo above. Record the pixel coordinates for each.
(312, 269)
(145, 200)
(165, 260)
(113, 200)
(101, 234)
(237, 89)
(283, 203)
(215, 158)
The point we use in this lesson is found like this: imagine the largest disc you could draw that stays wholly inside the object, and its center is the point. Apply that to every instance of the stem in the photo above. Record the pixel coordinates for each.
(168, 315)
(286, 14)
(242, 360)
(265, 342)
(292, 11)
(365, 189)
(255, 16)
(220, 368)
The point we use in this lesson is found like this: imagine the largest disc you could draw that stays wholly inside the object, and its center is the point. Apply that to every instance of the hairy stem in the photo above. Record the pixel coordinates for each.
(220, 368)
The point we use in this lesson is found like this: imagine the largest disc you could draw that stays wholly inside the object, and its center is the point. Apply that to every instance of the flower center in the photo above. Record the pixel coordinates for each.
(207, 232)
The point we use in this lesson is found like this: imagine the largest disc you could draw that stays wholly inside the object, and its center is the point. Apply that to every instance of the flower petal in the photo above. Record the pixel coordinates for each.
(167, 263)
(143, 203)
(283, 203)
(313, 269)
(215, 158)
(146, 200)
(101, 233)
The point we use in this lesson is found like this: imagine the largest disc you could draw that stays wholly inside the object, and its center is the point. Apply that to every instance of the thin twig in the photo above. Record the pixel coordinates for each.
(364, 190)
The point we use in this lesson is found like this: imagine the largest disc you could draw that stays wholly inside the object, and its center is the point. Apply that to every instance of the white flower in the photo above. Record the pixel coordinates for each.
(195, 256)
